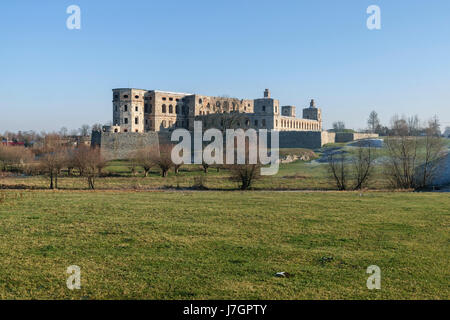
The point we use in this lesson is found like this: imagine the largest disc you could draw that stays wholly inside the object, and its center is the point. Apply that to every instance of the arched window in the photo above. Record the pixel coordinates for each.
(164, 109)
(125, 108)
(200, 101)
(125, 96)
(170, 109)
(263, 108)
(247, 122)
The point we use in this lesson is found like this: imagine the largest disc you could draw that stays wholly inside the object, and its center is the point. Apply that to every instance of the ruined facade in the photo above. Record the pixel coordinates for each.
(147, 117)
(137, 110)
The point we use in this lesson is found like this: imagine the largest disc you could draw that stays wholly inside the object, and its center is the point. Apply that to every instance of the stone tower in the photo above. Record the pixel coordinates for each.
(128, 110)
(267, 93)
(313, 113)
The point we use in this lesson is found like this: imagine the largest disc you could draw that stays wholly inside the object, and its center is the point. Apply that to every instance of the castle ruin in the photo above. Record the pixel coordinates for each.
(142, 117)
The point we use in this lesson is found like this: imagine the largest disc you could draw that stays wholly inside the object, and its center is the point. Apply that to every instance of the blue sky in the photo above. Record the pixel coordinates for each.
(53, 77)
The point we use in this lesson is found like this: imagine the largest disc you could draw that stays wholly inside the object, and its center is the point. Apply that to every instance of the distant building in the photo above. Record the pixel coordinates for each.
(137, 110)
(148, 117)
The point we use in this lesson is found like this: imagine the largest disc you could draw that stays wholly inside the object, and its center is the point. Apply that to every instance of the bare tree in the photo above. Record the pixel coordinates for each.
(146, 159)
(245, 174)
(402, 160)
(163, 158)
(51, 163)
(373, 122)
(53, 158)
(338, 169)
(413, 125)
(63, 131)
(93, 164)
(15, 158)
(434, 126)
(338, 126)
(413, 161)
(363, 164)
(84, 130)
(434, 151)
(77, 158)
(399, 126)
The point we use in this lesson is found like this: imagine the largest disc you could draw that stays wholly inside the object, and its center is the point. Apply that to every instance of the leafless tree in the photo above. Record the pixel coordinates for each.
(338, 126)
(338, 168)
(373, 122)
(15, 158)
(53, 157)
(93, 164)
(52, 162)
(413, 161)
(434, 151)
(145, 157)
(363, 164)
(413, 125)
(245, 174)
(77, 158)
(163, 158)
(84, 130)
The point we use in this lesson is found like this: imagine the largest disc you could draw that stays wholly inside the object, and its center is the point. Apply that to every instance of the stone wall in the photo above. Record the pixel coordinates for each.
(328, 137)
(349, 136)
(301, 139)
(123, 145)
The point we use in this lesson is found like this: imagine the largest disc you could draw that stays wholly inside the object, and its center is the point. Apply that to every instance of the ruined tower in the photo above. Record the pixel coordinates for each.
(313, 113)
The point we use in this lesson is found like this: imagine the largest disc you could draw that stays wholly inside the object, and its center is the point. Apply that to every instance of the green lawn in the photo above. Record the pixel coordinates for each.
(217, 245)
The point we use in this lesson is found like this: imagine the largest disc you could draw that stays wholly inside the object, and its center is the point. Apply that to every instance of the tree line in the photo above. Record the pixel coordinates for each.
(414, 155)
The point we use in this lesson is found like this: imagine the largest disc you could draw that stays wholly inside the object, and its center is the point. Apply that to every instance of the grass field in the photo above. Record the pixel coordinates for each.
(223, 245)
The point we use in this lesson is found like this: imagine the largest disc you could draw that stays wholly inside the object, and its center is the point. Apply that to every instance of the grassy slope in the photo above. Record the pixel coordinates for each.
(223, 244)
